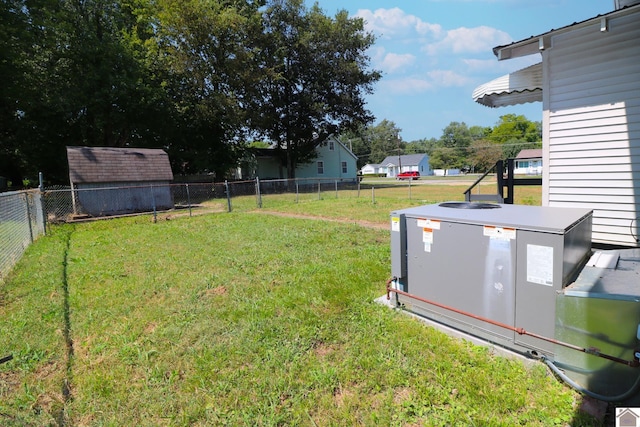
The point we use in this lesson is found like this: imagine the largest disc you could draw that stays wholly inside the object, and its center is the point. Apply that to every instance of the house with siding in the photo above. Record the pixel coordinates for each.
(333, 160)
(588, 81)
(406, 163)
(528, 162)
(114, 181)
(373, 169)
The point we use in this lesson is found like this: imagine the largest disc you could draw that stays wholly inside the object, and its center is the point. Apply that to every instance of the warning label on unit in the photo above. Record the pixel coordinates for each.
(429, 223)
(504, 233)
(427, 235)
(540, 264)
(395, 223)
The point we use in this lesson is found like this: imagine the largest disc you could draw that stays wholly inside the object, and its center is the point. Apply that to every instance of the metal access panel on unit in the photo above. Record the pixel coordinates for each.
(601, 309)
(501, 262)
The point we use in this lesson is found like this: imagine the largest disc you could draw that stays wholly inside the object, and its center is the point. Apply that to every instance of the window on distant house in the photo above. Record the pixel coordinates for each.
(331, 147)
(320, 168)
(344, 167)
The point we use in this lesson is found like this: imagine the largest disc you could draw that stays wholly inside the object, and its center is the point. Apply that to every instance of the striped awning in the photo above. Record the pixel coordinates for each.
(519, 87)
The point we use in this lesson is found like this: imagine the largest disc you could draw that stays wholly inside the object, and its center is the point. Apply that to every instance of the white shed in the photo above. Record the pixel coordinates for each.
(589, 85)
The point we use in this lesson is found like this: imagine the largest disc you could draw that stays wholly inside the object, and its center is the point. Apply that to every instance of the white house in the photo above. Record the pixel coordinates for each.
(528, 162)
(373, 169)
(589, 85)
(333, 160)
(406, 163)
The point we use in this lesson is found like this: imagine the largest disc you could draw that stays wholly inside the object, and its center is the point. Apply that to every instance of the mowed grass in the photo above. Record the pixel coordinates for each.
(374, 205)
(241, 319)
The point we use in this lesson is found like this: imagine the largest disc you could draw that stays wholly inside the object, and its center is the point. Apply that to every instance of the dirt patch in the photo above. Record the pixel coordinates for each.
(150, 327)
(12, 383)
(322, 349)
(341, 394)
(197, 210)
(361, 223)
(218, 290)
(9, 383)
(401, 395)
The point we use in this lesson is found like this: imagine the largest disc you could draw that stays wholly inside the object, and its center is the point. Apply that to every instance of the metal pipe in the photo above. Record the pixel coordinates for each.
(521, 331)
(619, 398)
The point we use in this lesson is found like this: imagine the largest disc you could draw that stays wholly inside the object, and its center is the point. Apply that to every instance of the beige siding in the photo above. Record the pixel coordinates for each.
(594, 125)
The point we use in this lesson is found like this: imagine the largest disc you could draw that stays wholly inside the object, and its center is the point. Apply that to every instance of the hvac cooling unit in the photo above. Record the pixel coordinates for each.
(501, 262)
(496, 271)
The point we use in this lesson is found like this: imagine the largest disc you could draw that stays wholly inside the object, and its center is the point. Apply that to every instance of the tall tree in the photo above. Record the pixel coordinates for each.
(515, 133)
(421, 146)
(453, 147)
(313, 80)
(483, 155)
(514, 127)
(206, 50)
(385, 141)
(82, 85)
(17, 36)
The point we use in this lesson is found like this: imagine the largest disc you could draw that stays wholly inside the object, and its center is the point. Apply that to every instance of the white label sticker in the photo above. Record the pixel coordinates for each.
(427, 235)
(429, 223)
(427, 247)
(540, 264)
(505, 233)
(395, 223)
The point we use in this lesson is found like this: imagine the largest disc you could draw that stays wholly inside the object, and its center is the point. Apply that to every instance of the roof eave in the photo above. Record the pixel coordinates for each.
(536, 44)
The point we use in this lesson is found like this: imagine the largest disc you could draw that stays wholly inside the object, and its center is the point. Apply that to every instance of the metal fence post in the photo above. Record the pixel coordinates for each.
(297, 194)
(410, 188)
(258, 194)
(318, 189)
(28, 212)
(358, 188)
(43, 202)
(226, 189)
(373, 195)
(336, 188)
(153, 201)
(188, 199)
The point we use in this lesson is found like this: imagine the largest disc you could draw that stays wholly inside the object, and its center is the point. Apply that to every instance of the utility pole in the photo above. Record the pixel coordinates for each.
(399, 159)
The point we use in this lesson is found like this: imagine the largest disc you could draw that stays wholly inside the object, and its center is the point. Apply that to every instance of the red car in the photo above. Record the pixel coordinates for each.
(409, 175)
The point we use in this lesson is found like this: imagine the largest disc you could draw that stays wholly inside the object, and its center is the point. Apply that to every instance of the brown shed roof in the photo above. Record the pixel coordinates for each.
(107, 164)
(530, 153)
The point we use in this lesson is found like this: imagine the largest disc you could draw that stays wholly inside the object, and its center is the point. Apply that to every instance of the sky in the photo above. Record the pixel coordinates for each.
(434, 53)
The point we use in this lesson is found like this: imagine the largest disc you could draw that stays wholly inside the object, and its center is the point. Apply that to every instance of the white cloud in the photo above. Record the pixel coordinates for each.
(481, 65)
(393, 62)
(493, 66)
(432, 80)
(409, 85)
(469, 40)
(447, 78)
(390, 23)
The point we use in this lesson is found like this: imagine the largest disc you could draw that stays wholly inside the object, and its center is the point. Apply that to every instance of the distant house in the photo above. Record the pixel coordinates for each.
(334, 160)
(114, 181)
(393, 165)
(528, 162)
(588, 84)
(373, 169)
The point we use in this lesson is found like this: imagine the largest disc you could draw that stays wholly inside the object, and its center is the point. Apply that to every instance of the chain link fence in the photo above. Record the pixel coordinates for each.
(21, 223)
(65, 204)
(24, 215)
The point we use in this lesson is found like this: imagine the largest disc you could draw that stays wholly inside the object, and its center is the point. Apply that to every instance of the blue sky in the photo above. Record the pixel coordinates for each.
(433, 53)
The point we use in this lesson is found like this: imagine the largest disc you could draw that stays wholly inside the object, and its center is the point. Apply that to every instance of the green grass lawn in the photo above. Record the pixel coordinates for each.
(242, 319)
